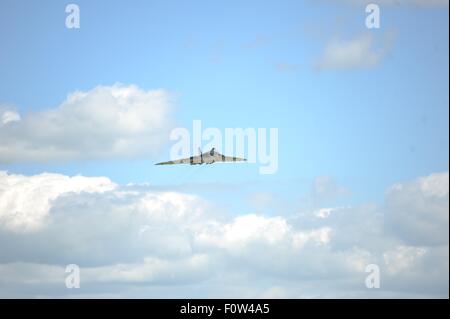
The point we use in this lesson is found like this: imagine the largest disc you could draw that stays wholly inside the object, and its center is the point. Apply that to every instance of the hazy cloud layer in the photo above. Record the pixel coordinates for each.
(107, 121)
(360, 52)
(418, 211)
(133, 241)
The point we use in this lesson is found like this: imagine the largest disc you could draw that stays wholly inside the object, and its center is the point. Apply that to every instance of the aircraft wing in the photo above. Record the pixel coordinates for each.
(189, 160)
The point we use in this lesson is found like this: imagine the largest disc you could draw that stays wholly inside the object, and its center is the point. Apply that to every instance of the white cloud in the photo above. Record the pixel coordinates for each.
(107, 121)
(319, 236)
(418, 212)
(326, 211)
(244, 230)
(166, 206)
(25, 201)
(402, 258)
(135, 241)
(9, 116)
(360, 52)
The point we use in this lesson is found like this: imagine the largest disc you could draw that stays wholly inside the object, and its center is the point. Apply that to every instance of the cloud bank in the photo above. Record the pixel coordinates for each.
(137, 242)
(107, 121)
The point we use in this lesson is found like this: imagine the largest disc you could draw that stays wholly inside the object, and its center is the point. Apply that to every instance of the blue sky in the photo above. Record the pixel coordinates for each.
(246, 64)
(363, 127)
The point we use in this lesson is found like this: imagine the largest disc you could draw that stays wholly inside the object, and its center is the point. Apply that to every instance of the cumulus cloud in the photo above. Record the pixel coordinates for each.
(360, 52)
(106, 121)
(402, 257)
(418, 211)
(245, 230)
(25, 201)
(9, 116)
(129, 240)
